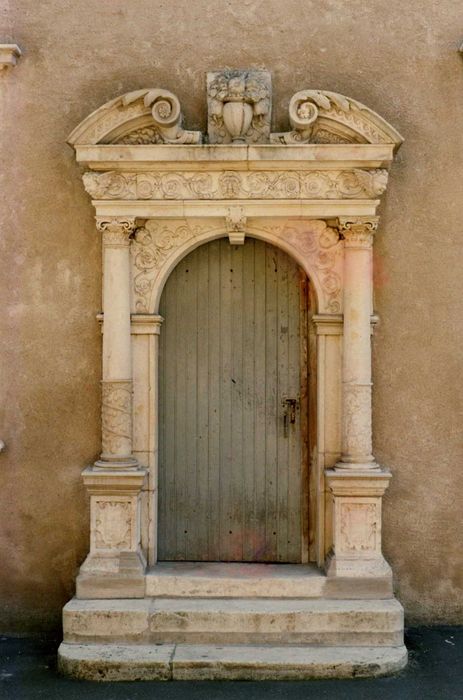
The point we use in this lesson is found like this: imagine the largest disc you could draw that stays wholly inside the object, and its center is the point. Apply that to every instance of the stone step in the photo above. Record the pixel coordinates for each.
(230, 580)
(112, 662)
(235, 621)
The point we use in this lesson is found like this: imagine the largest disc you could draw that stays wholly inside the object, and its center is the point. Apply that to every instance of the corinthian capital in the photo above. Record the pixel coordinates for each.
(358, 231)
(116, 231)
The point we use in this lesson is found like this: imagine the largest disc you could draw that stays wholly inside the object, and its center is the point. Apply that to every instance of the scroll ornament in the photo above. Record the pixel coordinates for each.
(167, 117)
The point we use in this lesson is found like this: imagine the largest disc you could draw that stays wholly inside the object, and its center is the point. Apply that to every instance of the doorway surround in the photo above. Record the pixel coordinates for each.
(159, 192)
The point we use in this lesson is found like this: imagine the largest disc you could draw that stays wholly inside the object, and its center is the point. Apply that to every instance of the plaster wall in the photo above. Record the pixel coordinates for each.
(398, 58)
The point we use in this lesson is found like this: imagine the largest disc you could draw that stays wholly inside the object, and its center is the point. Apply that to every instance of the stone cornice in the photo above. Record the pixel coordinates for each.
(235, 157)
(276, 208)
(9, 55)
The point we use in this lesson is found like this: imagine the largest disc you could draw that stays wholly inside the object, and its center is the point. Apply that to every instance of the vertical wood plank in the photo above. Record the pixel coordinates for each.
(236, 495)
(272, 410)
(214, 381)
(251, 537)
(167, 539)
(258, 517)
(284, 390)
(226, 438)
(200, 551)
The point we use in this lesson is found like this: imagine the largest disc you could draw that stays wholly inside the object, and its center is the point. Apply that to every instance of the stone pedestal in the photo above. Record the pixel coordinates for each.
(115, 566)
(357, 525)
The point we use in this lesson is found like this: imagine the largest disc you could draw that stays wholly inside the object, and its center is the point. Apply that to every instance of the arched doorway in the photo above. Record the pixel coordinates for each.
(233, 466)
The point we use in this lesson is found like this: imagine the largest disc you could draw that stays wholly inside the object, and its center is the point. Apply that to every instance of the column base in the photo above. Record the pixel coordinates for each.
(357, 567)
(128, 463)
(112, 576)
(357, 466)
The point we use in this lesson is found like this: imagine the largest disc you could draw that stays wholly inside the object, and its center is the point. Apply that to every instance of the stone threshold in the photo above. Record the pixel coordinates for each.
(111, 662)
(249, 580)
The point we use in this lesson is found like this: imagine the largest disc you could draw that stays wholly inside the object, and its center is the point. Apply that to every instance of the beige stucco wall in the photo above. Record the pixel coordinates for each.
(400, 59)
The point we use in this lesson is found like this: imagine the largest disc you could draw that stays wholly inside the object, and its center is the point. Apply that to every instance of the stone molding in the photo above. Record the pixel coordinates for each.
(357, 183)
(146, 324)
(138, 117)
(9, 55)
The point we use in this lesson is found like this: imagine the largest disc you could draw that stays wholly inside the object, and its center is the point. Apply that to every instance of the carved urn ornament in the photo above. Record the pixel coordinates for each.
(239, 105)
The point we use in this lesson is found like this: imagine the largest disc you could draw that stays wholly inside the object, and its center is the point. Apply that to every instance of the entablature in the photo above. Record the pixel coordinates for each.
(333, 162)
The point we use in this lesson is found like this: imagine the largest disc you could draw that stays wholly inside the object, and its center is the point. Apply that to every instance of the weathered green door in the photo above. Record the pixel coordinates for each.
(232, 466)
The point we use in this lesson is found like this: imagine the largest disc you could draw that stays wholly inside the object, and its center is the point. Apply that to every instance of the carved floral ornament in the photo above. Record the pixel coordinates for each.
(157, 244)
(228, 184)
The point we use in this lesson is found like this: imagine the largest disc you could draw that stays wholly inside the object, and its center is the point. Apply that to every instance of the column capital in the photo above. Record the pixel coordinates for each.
(116, 231)
(358, 231)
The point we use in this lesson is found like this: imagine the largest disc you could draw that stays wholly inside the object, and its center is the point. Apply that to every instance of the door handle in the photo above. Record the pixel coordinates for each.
(289, 414)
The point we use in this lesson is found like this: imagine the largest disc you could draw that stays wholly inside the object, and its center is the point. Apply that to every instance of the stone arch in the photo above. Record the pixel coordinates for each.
(159, 247)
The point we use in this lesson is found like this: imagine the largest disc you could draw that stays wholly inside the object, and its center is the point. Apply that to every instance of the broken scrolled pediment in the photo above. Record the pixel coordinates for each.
(136, 118)
(319, 116)
(239, 106)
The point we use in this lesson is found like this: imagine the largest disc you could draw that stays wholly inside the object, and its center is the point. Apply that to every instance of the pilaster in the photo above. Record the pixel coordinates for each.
(356, 483)
(116, 564)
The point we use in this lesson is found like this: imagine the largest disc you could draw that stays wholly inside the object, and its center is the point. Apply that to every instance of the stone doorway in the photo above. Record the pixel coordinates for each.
(159, 194)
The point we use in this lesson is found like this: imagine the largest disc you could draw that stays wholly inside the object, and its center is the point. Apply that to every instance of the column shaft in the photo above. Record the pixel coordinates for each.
(356, 419)
(117, 356)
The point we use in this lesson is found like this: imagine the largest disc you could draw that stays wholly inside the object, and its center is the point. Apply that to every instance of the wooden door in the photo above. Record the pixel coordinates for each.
(232, 471)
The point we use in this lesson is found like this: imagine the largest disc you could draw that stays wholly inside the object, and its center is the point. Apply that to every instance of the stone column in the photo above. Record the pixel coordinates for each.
(117, 389)
(116, 564)
(357, 483)
(356, 359)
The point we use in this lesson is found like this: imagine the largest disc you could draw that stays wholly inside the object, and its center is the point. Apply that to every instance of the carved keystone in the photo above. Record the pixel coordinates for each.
(236, 225)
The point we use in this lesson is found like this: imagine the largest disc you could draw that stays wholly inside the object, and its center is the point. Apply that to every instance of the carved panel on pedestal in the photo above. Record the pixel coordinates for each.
(358, 527)
(113, 524)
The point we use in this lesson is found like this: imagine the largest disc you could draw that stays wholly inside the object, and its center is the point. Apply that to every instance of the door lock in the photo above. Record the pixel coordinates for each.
(289, 413)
